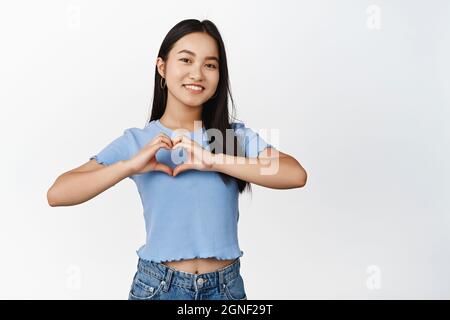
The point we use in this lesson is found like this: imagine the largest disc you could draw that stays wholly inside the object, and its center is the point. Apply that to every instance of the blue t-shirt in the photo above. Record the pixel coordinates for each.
(192, 215)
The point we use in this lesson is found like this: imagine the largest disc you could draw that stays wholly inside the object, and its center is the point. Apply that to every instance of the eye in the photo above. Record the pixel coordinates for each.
(184, 59)
(210, 65)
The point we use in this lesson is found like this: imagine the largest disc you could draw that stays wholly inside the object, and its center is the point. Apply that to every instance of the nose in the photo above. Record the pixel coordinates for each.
(196, 73)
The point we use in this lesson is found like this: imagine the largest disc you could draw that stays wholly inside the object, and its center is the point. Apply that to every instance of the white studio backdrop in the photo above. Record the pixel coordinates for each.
(359, 91)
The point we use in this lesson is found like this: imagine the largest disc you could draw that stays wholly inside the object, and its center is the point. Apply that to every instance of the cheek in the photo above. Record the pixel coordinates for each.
(175, 76)
(180, 73)
(214, 81)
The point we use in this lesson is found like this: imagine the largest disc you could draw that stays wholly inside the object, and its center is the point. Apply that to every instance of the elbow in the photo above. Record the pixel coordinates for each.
(301, 180)
(51, 198)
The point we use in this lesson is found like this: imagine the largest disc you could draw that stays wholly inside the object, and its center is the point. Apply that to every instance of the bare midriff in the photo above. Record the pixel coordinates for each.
(199, 265)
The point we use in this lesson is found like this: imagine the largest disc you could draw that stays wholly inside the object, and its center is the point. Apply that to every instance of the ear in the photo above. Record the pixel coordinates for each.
(161, 66)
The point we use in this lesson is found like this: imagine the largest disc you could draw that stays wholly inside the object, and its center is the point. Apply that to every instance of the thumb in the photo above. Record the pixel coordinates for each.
(181, 168)
(163, 168)
(158, 146)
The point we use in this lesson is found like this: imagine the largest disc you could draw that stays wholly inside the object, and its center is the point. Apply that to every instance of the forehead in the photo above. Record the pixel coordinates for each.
(201, 43)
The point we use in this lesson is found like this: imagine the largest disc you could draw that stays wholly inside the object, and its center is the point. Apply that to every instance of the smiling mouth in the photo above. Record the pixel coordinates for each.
(193, 88)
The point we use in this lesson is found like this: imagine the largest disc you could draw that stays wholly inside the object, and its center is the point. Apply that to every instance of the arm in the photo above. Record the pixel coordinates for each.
(85, 182)
(82, 184)
(272, 169)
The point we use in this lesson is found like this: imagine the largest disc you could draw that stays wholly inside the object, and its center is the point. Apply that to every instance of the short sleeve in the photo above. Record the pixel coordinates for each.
(119, 149)
(250, 140)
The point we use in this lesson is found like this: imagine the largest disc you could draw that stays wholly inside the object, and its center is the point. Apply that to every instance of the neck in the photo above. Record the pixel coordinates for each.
(179, 115)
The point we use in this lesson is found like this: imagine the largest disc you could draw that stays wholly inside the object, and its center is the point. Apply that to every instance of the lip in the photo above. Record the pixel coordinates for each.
(194, 84)
(194, 91)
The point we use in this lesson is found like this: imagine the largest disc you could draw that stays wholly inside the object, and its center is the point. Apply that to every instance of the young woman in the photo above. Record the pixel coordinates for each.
(189, 172)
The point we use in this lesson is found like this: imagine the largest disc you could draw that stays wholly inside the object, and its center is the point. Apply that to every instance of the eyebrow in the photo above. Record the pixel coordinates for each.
(193, 54)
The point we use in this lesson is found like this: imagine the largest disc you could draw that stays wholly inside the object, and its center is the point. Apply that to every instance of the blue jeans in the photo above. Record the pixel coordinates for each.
(157, 281)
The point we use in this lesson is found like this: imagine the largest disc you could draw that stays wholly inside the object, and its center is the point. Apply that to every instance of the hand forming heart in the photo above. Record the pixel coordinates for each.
(197, 157)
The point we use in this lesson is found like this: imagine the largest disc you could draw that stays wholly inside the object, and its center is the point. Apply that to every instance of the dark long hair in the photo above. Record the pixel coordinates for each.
(215, 111)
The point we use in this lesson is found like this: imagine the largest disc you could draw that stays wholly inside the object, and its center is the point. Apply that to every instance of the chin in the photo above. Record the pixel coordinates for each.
(193, 102)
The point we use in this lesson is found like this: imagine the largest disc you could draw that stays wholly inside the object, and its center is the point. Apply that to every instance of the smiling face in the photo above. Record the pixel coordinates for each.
(191, 70)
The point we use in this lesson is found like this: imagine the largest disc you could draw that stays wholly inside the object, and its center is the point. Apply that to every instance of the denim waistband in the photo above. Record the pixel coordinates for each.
(191, 281)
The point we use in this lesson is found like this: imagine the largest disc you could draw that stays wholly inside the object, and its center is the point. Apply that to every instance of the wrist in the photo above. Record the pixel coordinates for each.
(216, 161)
(127, 167)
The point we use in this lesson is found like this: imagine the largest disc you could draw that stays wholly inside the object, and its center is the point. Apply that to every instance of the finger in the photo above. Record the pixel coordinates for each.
(177, 144)
(161, 138)
(181, 168)
(176, 140)
(166, 138)
(180, 138)
(160, 145)
(163, 168)
(192, 150)
(188, 142)
(183, 144)
(188, 149)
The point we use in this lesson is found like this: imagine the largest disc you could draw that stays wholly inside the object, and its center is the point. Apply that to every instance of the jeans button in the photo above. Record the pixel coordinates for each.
(200, 281)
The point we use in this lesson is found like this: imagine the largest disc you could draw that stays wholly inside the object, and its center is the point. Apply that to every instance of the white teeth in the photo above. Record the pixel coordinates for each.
(194, 87)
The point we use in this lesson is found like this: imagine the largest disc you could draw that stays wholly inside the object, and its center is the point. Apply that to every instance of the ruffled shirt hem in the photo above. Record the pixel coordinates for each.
(189, 256)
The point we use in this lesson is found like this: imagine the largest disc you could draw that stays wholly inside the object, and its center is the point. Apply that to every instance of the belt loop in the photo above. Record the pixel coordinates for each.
(221, 281)
(167, 279)
(139, 264)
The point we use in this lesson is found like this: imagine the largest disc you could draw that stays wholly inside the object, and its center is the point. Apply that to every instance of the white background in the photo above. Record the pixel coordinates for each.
(358, 89)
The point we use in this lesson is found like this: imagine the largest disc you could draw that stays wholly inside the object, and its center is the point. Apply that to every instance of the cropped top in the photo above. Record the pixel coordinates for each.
(192, 215)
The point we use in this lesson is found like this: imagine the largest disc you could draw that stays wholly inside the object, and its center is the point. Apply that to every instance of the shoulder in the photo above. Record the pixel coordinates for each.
(140, 132)
(144, 134)
(152, 127)
(239, 128)
(134, 136)
(133, 132)
(237, 125)
(243, 131)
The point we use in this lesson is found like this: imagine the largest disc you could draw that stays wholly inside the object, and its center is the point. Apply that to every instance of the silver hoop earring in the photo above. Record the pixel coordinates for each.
(160, 83)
